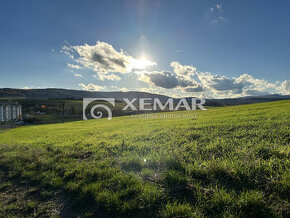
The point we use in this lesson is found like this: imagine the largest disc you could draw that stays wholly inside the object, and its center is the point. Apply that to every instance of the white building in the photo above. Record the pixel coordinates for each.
(10, 111)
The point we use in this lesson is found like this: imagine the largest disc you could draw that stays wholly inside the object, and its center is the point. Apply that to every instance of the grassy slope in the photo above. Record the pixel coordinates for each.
(231, 161)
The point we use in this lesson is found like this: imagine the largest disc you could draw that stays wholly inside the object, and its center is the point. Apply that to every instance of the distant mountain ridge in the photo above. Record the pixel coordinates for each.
(246, 100)
(54, 93)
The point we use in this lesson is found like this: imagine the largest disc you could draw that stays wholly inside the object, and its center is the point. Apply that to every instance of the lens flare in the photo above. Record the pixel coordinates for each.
(141, 63)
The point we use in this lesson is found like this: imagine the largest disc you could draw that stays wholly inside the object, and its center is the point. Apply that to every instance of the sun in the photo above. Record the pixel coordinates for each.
(142, 63)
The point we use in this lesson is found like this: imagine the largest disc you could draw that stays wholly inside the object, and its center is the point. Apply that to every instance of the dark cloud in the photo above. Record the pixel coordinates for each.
(199, 88)
(184, 82)
(255, 92)
(219, 83)
(163, 79)
(167, 80)
(106, 62)
(119, 62)
(99, 58)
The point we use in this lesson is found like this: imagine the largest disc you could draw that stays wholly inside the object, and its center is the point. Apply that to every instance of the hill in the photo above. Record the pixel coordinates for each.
(53, 93)
(72, 94)
(230, 161)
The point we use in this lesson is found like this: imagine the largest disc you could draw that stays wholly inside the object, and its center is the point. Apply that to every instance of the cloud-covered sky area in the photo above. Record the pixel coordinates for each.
(203, 48)
(107, 64)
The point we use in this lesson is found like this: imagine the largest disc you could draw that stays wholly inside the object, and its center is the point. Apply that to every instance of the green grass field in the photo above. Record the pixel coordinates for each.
(229, 162)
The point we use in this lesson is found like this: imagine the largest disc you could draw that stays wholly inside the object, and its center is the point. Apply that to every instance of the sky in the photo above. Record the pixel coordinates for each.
(203, 48)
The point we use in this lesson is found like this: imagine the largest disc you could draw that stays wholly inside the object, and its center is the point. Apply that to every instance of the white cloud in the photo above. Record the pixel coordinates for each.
(26, 87)
(109, 76)
(115, 88)
(197, 88)
(110, 64)
(144, 89)
(74, 66)
(104, 59)
(187, 79)
(67, 50)
(91, 87)
(185, 71)
(219, 19)
(253, 86)
(247, 79)
(218, 83)
(124, 89)
(284, 88)
(215, 14)
(185, 74)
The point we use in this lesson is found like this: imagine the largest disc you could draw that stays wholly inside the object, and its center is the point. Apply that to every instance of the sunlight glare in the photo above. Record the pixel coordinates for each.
(142, 63)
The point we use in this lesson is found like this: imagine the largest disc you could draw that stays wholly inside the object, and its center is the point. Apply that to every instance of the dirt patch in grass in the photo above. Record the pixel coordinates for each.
(22, 199)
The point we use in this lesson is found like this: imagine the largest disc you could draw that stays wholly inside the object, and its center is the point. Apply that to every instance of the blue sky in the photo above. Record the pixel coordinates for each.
(181, 48)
